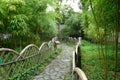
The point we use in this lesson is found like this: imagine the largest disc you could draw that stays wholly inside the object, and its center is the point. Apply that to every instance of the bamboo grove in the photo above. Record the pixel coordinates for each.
(26, 21)
(101, 19)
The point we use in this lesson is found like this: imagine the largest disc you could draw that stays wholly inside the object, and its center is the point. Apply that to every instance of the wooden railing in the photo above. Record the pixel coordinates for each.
(13, 64)
(78, 74)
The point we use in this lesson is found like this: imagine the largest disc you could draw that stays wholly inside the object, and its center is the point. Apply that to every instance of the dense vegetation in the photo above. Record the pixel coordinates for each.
(73, 26)
(92, 64)
(101, 23)
(26, 21)
(29, 21)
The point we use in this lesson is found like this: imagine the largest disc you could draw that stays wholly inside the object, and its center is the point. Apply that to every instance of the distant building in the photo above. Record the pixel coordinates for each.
(5, 36)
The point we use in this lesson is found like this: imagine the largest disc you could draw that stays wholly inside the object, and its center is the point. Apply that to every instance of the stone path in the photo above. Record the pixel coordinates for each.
(59, 67)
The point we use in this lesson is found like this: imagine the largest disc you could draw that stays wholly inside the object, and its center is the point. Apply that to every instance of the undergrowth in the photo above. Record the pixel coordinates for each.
(92, 62)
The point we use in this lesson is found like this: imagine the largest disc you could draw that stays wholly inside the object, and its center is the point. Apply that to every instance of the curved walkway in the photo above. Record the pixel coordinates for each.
(60, 68)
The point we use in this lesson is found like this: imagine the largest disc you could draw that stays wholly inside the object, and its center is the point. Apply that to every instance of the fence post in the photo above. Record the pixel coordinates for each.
(79, 53)
(75, 60)
(79, 57)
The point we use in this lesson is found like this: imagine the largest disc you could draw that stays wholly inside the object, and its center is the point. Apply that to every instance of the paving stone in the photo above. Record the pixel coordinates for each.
(57, 69)
(40, 79)
(53, 77)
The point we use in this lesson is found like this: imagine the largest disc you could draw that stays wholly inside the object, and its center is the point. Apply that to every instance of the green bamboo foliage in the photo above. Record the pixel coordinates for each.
(104, 28)
(27, 21)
